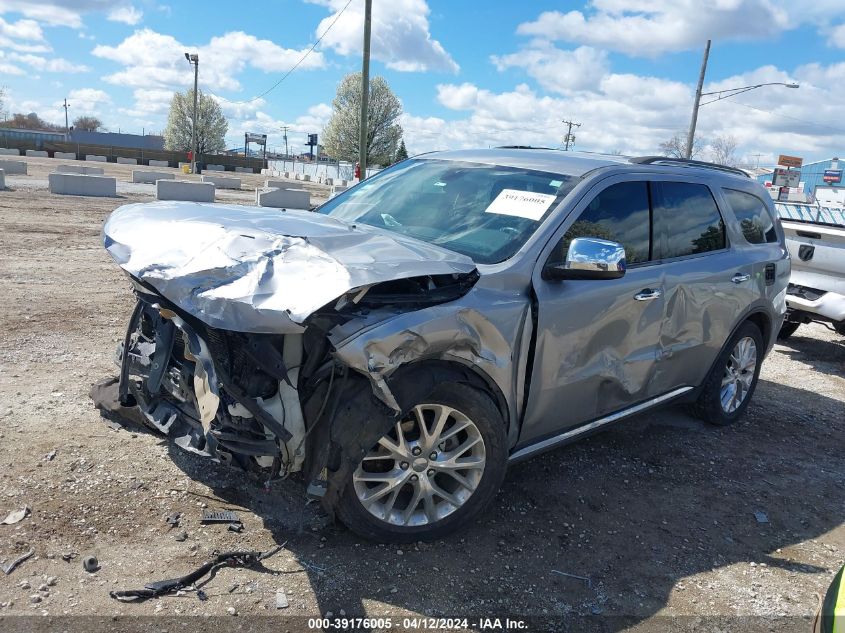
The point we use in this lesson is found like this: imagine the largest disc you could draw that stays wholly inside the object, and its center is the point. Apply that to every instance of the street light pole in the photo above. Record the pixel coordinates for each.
(194, 60)
(694, 119)
(365, 89)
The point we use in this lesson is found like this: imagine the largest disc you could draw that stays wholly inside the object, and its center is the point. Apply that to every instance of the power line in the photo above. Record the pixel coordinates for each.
(296, 65)
(786, 116)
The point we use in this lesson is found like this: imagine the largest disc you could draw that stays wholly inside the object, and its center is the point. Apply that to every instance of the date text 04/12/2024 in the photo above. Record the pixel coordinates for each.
(418, 624)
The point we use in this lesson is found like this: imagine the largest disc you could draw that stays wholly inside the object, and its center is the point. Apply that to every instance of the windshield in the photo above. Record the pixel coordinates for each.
(486, 212)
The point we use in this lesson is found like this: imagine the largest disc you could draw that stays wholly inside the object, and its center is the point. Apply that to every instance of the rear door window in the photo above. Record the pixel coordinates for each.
(620, 213)
(686, 220)
(756, 223)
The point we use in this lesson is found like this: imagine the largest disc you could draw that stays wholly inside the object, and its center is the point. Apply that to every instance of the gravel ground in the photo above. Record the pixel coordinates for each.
(657, 513)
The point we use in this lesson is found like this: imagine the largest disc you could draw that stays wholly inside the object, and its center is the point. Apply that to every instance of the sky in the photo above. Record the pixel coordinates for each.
(469, 73)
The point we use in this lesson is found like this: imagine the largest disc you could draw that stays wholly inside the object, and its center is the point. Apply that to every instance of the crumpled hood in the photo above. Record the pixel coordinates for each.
(262, 270)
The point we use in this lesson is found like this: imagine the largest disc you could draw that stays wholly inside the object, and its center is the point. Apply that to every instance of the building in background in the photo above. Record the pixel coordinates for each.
(821, 180)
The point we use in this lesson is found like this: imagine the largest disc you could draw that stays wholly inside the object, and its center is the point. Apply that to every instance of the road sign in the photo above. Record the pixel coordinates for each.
(252, 137)
(786, 177)
(832, 175)
(783, 193)
(790, 161)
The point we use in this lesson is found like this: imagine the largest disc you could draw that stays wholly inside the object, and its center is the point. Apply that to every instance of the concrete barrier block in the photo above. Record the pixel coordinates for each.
(82, 185)
(181, 165)
(245, 170)
(150, 177)
(272, 183)
(13, 166)
(4, 151)
(64, 155)
(2, 180)
(159, 163)
(96, 158)
(223, 182)
(336, 189)
(283, 198)
(215, 168)
(267, 172)
(184, 190)
(37, 153)
(127, 161)
(328, 180)
(78, 169)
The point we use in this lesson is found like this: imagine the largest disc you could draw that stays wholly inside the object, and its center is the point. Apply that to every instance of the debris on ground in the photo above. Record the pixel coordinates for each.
(222, 516)
(162, 587)
(281, 599)
(182, 536)
(761, 517)
(49, 457)
(584, 578)
(173, 519)
(90, 564)
(16, 517)
(8, 569)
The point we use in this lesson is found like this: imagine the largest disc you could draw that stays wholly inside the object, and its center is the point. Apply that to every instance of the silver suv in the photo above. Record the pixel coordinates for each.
(460, 311)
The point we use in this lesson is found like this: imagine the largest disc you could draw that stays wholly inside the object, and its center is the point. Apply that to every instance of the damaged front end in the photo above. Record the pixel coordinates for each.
(224, 357)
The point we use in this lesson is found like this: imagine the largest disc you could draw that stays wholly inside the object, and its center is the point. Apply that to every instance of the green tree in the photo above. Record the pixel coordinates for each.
(211, 124)
(402, 152)
(341, 136)
(87, 123)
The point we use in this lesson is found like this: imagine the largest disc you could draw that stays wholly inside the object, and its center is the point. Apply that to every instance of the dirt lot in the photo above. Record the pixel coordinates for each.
(658, 513)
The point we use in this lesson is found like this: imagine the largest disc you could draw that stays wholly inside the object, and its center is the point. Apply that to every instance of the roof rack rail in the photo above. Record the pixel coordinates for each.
(651, 160)
(521, 147)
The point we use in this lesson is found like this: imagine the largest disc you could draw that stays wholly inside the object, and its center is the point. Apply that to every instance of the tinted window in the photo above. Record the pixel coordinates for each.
(619, 213)
(686, 220)
(753, 216)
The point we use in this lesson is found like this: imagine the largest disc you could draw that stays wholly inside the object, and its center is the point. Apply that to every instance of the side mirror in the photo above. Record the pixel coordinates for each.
(589, 258)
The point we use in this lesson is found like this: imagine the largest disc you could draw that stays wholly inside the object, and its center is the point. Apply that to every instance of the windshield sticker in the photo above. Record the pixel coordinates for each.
(555, 183)
(522, 204)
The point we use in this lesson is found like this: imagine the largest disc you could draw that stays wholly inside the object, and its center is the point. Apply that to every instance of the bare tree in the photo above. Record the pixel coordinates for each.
(31, 121)
(341, 136)
(87, 123)
(676, 147)
(211, 124)
(723, 150)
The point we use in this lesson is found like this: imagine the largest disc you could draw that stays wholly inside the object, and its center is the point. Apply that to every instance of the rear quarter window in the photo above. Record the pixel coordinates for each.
(686, 220)
(753, 216)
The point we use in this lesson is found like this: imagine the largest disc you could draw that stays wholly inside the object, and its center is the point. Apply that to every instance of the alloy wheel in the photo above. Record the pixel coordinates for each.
(739, 374)
(424, 469)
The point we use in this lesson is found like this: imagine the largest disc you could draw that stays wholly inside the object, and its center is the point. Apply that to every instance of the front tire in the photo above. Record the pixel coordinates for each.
(437, 469)
(731, 383)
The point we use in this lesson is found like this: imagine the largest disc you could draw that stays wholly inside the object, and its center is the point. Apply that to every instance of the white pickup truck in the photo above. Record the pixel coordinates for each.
(815, 237)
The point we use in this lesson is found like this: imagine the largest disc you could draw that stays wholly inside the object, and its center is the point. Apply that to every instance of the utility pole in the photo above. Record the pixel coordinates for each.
(757, 156)
(365, 89)
(695, 106)
(194, 60)
(285, 129)
(569, 138)
(67, 129)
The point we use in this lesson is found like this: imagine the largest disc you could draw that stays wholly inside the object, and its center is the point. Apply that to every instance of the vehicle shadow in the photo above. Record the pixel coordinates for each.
(614, 528)
(824, 355)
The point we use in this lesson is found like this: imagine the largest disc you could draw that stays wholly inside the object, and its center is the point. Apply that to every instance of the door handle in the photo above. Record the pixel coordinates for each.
(740, 277)
(649, 294)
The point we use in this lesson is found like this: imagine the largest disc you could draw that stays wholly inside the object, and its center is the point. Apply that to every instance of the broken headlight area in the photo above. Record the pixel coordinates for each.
(226, 395)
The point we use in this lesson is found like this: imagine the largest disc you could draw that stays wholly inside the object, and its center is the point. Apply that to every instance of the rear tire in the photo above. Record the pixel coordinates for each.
(787, 329)
(730, 385)
(425, 500)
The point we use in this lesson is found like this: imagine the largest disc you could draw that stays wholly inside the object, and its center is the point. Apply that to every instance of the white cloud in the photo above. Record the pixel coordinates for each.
(127, 14)
(87, 100)
(314, 120)
(401, 36)
(57, 12)
(633, 114)
(55, 65)
(836, 36)
(647, 28)
(155, 60)
(558, 70)
(23, 36)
